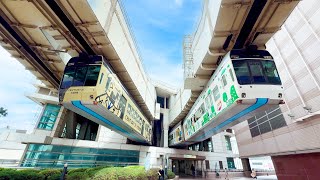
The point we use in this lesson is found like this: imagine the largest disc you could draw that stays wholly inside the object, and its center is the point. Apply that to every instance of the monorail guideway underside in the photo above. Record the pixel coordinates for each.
(64, 22)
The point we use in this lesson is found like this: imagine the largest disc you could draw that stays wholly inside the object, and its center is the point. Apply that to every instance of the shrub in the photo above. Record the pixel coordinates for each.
(153, 173)
(54, 177)
(71, 171)
(121, 173)
(20, 175)
(29, 171)
(50, 173)
(171, 175)
(78, 176)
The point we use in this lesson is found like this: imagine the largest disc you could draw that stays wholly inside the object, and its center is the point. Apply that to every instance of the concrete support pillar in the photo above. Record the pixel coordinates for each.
(83, 130)
(165, 127)
(71, 125)
(246, 167)
(88, 132)
(59, 124)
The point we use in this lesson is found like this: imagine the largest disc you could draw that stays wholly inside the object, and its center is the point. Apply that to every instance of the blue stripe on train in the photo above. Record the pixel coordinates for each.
(259, 102)
(80, 106)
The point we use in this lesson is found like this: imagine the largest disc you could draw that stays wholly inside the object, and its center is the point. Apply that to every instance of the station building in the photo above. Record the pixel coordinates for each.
(290, 134)
(58, 139)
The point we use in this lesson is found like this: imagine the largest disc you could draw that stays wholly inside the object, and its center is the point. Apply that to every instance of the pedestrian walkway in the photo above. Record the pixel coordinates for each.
(198, 178)
(186, 177)
(272, 177)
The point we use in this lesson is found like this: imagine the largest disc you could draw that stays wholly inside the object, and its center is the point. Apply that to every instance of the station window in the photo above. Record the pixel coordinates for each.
(228, 143)
(230, 163)
(55, 156)
(160, 100)
(49, 117)
(266, 121)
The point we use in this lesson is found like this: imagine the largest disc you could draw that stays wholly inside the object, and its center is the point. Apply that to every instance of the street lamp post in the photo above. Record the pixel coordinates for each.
(64, 172)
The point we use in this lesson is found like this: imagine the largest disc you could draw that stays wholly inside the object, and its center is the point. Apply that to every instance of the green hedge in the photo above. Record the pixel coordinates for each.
(97, 173)
(9, 174)
(171, 175)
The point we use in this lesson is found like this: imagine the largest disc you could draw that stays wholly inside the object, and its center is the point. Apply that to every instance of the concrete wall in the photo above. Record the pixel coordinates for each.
(178, 102)
(11, 149)
(296, 50)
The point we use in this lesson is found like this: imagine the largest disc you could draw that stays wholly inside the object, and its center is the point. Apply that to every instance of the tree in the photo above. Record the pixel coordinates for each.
(3, 112)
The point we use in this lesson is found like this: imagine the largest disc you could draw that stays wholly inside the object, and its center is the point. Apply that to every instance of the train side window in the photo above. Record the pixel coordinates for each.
(231, 74)
(242, 71)
(208, 103)
(216, 93)
(108, 83)
(224, 80)
(122, 105)
(101, 77)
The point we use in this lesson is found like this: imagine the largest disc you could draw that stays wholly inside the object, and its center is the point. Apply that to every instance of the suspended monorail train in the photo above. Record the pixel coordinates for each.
(245, 83)
(90, 89)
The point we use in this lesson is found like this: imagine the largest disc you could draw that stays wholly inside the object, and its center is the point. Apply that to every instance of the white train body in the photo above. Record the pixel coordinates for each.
(245, 83)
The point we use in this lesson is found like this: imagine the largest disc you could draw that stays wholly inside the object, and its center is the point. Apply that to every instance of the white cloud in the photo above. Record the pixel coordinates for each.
(15, 81)
(160, 68)
(179, 2)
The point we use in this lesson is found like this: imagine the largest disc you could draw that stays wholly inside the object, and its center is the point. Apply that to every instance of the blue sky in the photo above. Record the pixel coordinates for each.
(159, 27)
(15, 82)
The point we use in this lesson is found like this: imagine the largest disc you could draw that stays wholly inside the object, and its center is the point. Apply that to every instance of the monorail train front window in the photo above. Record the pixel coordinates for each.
(271, 72)
(92, 75)
(68, 77)
(80, 76)
(256, 72)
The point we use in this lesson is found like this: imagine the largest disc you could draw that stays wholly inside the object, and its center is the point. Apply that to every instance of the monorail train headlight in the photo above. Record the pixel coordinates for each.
(267, 57)
(280, 95)
(243, 95)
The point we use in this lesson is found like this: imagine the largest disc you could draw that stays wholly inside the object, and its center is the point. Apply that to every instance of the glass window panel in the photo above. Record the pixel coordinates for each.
(80, 76)
(255, 131)
(228, 143)
(122, 105)
(265, 127)
(216, 93)
(101, 78)
(92, 75)
(80, 150)
(242, 71)
(274, 113)
(68, 77)
(262, 120)
(231, 74)
(49, 117)
(271, 72)
(45, 126)
(256, 72)
(278, 122)
(253, 124)
(108, 83)
(251, 120)
(272, 109)
(260, 115)
(88, 158)
(224, 81)
(160, 100)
